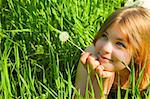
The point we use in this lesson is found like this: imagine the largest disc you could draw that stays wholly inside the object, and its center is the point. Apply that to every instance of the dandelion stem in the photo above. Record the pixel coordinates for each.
(76, 46)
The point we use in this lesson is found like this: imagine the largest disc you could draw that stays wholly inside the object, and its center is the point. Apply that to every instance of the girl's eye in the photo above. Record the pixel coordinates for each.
(104, 37)
(120, 44)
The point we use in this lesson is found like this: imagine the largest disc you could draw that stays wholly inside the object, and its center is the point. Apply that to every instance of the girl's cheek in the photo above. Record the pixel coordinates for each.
(98, 45)
(123, 57)
(127, 57)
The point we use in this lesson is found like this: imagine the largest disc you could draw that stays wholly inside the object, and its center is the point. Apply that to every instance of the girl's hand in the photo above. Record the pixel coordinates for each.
(102, 73)
(87, 59)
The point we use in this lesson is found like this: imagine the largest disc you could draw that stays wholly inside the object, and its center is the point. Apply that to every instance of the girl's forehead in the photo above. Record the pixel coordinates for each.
(115, 32)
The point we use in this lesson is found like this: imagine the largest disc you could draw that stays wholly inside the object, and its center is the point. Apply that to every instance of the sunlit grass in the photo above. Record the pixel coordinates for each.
(34, 63)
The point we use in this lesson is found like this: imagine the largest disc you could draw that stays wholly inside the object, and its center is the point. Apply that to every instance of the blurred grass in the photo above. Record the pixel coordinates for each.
(33, 62)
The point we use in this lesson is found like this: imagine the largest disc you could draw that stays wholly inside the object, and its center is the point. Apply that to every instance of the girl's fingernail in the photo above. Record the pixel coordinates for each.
(102, 67)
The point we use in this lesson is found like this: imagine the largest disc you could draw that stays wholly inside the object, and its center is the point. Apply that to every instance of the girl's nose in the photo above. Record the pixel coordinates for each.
(107, 48)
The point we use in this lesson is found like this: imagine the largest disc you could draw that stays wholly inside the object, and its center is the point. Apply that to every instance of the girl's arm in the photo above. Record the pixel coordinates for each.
(94, 65)
(81, 79)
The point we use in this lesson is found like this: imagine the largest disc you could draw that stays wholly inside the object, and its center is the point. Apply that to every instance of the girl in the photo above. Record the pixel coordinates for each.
(123, 38)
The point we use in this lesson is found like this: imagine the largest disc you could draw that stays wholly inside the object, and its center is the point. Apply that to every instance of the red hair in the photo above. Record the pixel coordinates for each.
(135, 22)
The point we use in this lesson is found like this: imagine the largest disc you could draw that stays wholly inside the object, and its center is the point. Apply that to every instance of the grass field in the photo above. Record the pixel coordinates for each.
(34, 63)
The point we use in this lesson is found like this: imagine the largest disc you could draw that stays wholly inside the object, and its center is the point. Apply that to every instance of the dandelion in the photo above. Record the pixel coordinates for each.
(64, 36)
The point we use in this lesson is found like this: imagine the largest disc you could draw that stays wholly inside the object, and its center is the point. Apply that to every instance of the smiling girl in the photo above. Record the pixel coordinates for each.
(123, 39)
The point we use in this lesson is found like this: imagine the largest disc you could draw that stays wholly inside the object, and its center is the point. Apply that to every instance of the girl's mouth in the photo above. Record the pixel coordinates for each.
(104, 59)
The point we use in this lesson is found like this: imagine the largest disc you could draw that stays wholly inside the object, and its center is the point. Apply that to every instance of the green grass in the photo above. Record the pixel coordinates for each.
(33, 62)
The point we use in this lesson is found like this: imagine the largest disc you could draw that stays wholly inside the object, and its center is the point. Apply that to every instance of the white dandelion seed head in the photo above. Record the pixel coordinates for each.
(64, 36)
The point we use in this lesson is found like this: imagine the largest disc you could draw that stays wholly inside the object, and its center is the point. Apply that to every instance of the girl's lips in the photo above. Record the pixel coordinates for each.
(104, 59)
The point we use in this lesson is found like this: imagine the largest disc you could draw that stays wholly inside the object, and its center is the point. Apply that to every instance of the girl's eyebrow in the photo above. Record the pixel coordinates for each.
(120, 39)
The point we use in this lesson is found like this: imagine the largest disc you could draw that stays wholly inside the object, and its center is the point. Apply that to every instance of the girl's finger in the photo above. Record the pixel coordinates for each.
(93, 62)
(99, 69)
(84, 57)
(102, 73)
(107, 74)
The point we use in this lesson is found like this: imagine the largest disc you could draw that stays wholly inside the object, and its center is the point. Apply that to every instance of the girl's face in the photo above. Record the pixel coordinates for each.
(113, 47)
